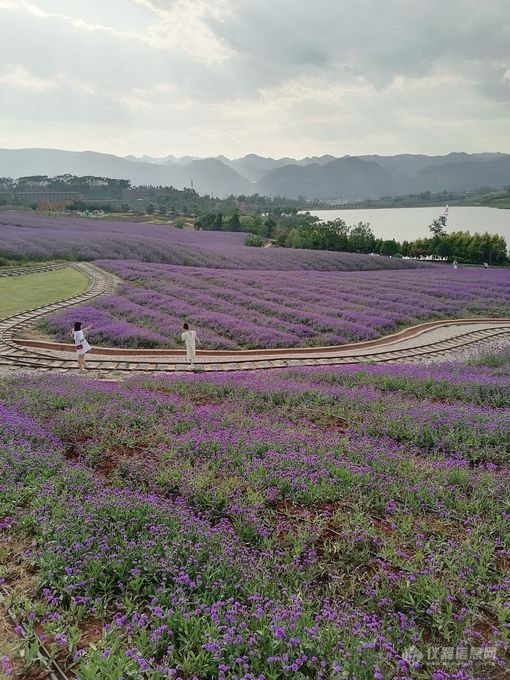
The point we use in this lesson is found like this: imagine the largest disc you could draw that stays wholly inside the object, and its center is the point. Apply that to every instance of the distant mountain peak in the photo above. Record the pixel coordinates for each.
(327, 177)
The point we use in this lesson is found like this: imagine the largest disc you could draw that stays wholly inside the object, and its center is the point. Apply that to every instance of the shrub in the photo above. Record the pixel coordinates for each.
(254, 240)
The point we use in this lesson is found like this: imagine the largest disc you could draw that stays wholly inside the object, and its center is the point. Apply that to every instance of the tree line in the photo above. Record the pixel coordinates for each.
(291, 229)
(481, 196)
(96, 187)
(119, 195)
(277, 219)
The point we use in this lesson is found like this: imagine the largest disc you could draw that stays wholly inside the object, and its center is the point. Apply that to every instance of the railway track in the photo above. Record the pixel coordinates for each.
(31, 269)
(45, 361)
(412, 344)
(100, 283)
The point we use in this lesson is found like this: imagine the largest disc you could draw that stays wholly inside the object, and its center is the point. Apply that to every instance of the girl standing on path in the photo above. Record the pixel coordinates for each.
(81, 345)
(190, 338)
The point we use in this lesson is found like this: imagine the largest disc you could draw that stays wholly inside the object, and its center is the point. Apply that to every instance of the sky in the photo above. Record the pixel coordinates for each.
(273, 77)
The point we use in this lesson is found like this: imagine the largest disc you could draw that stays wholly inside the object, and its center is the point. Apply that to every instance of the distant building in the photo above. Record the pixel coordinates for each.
(49, 196)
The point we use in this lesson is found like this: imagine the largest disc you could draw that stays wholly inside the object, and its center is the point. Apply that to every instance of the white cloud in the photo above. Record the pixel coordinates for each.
(38, 12)
(9, 4)
(184, 25)
(284, 77)
(18, 77)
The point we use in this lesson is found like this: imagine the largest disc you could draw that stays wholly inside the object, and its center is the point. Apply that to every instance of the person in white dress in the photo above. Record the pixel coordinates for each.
(190, 339)
(80, 343)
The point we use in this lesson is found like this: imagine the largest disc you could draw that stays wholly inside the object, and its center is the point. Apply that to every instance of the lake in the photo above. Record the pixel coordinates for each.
(407, 224)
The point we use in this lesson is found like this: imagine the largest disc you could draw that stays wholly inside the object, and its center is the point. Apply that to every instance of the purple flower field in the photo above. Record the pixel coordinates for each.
(330, 523)
(303, 523)
(32, 237)
(235, 309)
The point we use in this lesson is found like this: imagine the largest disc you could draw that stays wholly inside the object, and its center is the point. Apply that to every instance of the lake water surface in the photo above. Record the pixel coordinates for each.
(407, 224)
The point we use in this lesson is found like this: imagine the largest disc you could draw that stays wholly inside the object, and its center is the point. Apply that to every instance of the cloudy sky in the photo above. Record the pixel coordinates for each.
(274, 77)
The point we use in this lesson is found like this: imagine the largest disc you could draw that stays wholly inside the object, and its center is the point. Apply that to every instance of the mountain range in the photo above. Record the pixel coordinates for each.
(319, 177)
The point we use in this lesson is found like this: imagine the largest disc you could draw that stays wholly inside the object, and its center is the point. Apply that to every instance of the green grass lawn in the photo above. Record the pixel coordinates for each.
(19, 293)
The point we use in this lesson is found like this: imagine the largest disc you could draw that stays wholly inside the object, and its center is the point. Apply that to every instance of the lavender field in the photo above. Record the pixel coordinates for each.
(236, 309)
(305, 523)
(32, 237)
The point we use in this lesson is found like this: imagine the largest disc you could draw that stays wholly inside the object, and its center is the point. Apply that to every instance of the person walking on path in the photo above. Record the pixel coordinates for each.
(80, 343)
(455, 264)
(190, 339)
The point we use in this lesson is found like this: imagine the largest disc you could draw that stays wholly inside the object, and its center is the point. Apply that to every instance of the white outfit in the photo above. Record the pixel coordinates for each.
(190, 338)
(79, 339)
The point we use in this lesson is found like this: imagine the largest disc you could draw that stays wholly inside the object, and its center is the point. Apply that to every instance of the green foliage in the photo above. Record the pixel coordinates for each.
(438, 227)
(361, 238)
(117, 195)
(279, 218)
(253, 224)
(265, 532)
(234, 223)
(499, 198)
(444, 248)
(83, 206)
(389, 247)
(464, 247)
(290, 229)
(254, 240)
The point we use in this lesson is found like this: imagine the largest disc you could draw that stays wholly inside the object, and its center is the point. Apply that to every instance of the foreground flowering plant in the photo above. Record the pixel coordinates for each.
(304, 523)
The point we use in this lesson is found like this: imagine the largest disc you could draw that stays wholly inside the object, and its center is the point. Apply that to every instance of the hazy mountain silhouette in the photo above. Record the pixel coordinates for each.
(207, 175)
(210, 175)
(464, 175)
(254, 167)
(342, 178)
(324, 177)
(403, 167)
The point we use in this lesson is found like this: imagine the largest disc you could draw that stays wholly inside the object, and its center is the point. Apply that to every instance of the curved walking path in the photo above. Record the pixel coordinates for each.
(431, 339)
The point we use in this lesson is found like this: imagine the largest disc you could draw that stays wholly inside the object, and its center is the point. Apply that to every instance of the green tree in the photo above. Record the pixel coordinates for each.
(218, 222)
(253, 240)
(270, 225)
(389, 247)
(253, 223)
(206, 222)
(298, 238)
(234, 223)
(333, 235)
(361, 238)
(444, 248)
(405, 248)
(438, 227)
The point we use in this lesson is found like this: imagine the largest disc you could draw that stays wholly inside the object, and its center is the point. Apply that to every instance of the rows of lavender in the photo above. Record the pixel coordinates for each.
(31, 237)
(308, 523)
(234, 309)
